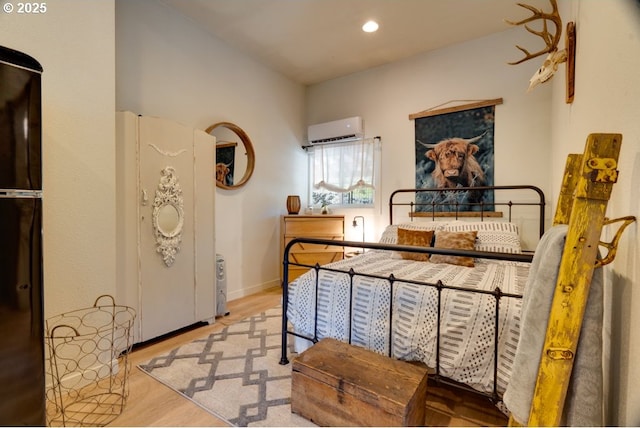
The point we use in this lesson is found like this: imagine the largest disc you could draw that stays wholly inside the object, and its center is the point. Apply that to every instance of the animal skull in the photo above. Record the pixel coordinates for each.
(548, 68)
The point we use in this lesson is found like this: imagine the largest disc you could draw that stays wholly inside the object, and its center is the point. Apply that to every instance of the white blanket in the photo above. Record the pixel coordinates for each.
(467, 320)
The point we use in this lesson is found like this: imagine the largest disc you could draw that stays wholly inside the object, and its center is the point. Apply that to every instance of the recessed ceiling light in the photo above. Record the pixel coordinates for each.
(370, 27)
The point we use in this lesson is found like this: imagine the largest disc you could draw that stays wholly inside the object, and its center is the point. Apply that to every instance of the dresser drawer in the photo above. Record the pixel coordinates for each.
(296, 271)
(313, 226)
(309, 258)
(303, 247)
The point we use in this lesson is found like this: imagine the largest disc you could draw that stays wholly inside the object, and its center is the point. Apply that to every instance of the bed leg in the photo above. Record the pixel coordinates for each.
(285, 301)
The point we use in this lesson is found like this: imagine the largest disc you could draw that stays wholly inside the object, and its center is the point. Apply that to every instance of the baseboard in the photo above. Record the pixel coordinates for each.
(236, 294)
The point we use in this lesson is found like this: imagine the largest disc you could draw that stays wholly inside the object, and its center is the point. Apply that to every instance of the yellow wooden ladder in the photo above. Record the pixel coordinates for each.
(584, 195)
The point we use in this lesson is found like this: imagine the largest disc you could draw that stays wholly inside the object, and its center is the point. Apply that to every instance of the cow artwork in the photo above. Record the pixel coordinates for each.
(455, 163)
(455, 150)
(225, 161)
(223, 174)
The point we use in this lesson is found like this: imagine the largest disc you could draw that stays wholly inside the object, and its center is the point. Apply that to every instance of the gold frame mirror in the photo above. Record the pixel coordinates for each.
(227, 135)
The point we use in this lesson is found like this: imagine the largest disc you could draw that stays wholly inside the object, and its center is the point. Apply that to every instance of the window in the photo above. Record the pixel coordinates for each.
(344, 173)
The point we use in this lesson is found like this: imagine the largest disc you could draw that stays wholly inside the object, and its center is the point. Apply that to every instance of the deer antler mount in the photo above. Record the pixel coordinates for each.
(550, 34)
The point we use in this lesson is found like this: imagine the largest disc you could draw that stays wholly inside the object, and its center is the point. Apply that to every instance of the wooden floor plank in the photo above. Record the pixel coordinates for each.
(151, 403)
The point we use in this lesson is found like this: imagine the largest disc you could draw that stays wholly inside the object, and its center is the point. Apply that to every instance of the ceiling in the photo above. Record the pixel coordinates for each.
(311, 41)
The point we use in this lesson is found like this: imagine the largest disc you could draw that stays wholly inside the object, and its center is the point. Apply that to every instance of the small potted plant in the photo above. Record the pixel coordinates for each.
(324, 199)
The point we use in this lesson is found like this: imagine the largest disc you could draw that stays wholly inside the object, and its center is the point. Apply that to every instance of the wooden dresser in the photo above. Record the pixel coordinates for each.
(322, 226)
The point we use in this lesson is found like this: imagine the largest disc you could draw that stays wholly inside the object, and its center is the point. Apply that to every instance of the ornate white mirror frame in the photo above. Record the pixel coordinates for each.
(168, 216)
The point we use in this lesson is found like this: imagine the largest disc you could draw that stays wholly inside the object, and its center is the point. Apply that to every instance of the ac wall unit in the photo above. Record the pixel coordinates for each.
(336, 131)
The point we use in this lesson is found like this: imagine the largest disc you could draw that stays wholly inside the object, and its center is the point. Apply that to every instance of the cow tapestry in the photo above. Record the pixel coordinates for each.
(225, 159)
(455, 150)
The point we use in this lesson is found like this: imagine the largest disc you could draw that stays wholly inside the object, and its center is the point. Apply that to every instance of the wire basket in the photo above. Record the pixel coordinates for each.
(88, 364)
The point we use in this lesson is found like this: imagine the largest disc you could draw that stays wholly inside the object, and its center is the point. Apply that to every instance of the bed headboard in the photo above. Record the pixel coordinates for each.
(466, 202)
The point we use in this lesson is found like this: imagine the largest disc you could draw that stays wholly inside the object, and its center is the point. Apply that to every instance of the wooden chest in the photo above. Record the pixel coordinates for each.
(337, 384)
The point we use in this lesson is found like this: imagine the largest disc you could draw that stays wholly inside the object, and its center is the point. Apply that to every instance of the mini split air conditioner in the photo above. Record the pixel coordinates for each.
(336, 131)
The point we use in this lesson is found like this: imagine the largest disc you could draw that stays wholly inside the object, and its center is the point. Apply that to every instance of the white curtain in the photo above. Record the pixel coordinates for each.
(344, 167)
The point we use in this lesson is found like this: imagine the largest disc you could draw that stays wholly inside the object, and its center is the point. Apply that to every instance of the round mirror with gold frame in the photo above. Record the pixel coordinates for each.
(235, 158)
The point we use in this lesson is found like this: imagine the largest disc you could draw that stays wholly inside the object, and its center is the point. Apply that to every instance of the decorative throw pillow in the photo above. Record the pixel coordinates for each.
(417, 238)
(390, 234)
(493, 236)
(457, 241)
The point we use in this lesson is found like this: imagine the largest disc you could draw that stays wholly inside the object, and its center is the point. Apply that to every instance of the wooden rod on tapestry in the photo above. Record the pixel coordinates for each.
(470, 104)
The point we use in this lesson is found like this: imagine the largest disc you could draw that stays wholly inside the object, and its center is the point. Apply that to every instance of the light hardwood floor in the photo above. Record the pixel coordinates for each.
(150, 403)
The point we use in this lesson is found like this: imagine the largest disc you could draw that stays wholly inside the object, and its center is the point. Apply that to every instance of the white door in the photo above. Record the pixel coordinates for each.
(204, 147)
(166, 229)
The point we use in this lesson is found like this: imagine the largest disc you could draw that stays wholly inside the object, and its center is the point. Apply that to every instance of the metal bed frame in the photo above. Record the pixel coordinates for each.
(482, 209)
(497, 294)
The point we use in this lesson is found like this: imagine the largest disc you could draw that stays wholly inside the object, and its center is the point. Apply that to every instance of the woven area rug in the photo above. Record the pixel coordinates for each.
(234, 374)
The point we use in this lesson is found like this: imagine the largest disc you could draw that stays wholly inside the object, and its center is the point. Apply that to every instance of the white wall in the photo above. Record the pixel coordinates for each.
(607, 99)
(168, 67)
(385, 97)
(75, 43)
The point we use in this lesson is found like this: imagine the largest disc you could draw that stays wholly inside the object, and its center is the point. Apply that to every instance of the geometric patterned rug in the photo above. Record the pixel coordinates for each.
(234, 374)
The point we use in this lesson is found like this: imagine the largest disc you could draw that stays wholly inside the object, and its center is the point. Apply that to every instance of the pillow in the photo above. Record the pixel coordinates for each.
(390, 234)
(417, 238)
(457, 241)
(493, 236)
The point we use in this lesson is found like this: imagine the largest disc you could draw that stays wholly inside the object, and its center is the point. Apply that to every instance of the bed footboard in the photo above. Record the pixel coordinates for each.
(395, 286)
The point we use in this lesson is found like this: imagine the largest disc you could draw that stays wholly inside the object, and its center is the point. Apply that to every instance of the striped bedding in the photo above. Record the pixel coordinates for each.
(467, 319)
